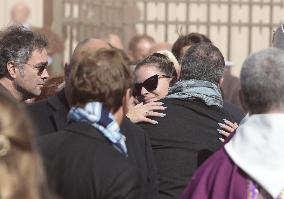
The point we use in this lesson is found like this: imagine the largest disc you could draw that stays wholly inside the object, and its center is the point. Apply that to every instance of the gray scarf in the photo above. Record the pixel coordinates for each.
(208, 92)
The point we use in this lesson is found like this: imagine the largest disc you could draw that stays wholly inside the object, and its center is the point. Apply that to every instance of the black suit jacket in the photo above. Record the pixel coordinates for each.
(50, 116)
(82, 163)
(182, 141)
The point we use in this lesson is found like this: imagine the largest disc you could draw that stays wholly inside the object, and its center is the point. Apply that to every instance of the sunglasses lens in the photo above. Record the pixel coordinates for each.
(151, 83)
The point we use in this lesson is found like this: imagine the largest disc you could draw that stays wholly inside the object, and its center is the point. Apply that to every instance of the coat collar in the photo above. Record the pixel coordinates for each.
(257, 148)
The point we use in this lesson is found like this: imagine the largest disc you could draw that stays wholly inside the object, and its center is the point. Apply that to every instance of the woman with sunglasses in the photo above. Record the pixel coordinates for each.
(153, 77)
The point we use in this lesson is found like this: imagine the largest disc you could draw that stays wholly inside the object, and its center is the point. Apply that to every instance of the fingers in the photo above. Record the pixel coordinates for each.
(154, 106)
(154, 114)
(150, 121)
(231, 124)
(226, 134)
(226, 128)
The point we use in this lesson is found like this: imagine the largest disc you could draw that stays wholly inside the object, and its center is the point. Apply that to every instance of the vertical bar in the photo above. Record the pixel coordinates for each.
(71, 28)
(229, 29)
(250, 27)
(208, 18)
(47, 9)
(145, 16)
(270, 21)
(58, 9)
(187, 17)
(166, 20)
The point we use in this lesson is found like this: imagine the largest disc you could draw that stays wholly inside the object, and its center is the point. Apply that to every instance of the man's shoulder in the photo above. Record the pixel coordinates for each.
(51, 103)
(177, 107)
(235, 112)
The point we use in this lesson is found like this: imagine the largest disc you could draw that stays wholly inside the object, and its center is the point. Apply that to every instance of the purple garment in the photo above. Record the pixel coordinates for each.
(217, 178)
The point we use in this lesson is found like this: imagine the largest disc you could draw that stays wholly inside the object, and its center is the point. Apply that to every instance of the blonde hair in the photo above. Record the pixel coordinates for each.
(173, 59)
(21, 171)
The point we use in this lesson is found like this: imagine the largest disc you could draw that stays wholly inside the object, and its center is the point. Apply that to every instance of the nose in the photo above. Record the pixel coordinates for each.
(44, 74)
(144, 91)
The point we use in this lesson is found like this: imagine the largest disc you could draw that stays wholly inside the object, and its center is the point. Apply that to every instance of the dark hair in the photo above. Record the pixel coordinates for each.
(102, 76)
(17, 45)
(161, 62)
(132, 46)
(203, 61)
(187, 40)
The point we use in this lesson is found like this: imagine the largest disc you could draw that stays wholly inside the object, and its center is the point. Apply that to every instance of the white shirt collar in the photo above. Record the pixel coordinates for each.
(258, 149)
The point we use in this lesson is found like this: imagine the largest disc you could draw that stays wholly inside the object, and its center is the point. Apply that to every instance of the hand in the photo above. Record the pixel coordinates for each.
(227, 128)
(141, 112)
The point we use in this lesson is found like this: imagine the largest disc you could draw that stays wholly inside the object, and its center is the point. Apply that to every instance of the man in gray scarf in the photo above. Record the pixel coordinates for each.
(188, 135)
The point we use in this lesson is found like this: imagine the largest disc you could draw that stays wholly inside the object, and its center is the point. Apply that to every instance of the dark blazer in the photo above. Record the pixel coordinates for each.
(50, 116)
(182, 141)
(230, 87)
(236, 114)
(81, 163)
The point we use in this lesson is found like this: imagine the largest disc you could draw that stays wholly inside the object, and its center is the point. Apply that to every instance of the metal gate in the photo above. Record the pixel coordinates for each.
(237, 27)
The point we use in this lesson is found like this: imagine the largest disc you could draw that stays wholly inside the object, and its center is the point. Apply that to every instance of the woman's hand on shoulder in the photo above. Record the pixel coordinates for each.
(227, 128)
(141, 112)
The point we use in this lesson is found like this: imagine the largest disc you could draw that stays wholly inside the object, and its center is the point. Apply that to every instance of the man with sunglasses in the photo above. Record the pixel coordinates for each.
(187, 136)
(23, 61)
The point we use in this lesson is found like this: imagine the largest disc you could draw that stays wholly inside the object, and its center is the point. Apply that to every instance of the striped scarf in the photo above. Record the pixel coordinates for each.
(96, 114)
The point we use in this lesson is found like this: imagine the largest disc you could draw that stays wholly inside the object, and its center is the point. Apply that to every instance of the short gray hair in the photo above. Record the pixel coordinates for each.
(262, 80)
(17, 45)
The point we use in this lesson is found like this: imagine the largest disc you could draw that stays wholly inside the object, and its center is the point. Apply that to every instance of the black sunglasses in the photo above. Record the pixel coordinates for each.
(149, 84)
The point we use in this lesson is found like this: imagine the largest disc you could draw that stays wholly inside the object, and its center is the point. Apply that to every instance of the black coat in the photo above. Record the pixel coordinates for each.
(50, 116)
(182, 140)
(81, 163)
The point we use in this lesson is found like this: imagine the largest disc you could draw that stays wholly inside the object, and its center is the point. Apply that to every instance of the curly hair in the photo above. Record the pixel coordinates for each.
(17, 45)
(101, 76)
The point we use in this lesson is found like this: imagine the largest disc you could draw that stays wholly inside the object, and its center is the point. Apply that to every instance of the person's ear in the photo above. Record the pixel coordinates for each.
(128, 101)
(11, 69)
(242, 101)
(220, 82)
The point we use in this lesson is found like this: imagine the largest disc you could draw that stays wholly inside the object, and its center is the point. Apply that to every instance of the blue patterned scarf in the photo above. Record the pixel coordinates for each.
(96, 114)
(208, 92)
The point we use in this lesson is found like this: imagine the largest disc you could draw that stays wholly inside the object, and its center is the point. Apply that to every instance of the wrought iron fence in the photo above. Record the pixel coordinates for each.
(238, 27)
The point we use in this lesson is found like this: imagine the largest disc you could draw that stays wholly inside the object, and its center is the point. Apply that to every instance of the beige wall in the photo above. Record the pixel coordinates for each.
(36, 15)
